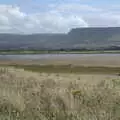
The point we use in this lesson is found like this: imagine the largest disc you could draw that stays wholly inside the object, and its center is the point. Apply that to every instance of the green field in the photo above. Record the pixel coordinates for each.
(56, 52)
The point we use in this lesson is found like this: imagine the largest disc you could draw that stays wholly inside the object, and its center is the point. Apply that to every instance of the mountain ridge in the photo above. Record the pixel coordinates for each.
(76, 38)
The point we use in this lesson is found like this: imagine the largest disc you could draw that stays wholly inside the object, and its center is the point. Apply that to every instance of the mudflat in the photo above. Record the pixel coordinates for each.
(101, 61)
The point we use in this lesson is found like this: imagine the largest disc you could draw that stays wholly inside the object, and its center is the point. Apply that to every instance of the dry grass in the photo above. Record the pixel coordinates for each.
(52, 96)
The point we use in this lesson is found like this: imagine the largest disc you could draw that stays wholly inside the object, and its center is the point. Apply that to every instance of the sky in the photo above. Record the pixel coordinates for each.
(57, 16)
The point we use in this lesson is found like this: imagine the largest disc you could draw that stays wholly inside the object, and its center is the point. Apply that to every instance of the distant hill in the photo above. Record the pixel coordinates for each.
(78, 38)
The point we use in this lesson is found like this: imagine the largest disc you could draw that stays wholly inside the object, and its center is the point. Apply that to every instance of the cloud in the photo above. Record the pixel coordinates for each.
(12, 19)
(103, 19)
(57, 19)
(74, 7)
(93, 16)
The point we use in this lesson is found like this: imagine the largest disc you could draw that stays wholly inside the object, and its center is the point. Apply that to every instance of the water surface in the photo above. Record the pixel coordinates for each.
(52, 56)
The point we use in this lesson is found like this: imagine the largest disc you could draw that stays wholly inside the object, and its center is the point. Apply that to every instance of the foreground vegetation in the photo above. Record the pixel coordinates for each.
(59, 51)
(56, 96)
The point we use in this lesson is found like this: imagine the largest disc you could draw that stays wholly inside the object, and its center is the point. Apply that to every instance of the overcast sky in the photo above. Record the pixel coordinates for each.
(57, 16)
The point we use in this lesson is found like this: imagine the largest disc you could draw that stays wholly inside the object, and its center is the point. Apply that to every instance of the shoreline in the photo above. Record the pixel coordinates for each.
(29, 52)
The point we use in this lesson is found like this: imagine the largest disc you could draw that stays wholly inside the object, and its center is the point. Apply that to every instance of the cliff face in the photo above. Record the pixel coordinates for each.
(76, 38)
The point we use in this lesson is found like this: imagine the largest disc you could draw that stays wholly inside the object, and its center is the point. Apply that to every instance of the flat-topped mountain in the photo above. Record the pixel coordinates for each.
(94, 37)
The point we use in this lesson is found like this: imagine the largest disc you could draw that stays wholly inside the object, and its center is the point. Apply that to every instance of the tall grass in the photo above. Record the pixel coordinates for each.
(33, 96)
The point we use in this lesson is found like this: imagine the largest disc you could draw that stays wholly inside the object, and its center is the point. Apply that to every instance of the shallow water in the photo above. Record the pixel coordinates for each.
(52, 56)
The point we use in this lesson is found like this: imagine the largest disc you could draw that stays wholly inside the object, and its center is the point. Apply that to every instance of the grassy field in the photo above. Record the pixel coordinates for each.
(27, 95)
(57, 52)
(68, 69)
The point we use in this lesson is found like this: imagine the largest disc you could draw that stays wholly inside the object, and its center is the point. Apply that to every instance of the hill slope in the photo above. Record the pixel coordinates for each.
(77, 38)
